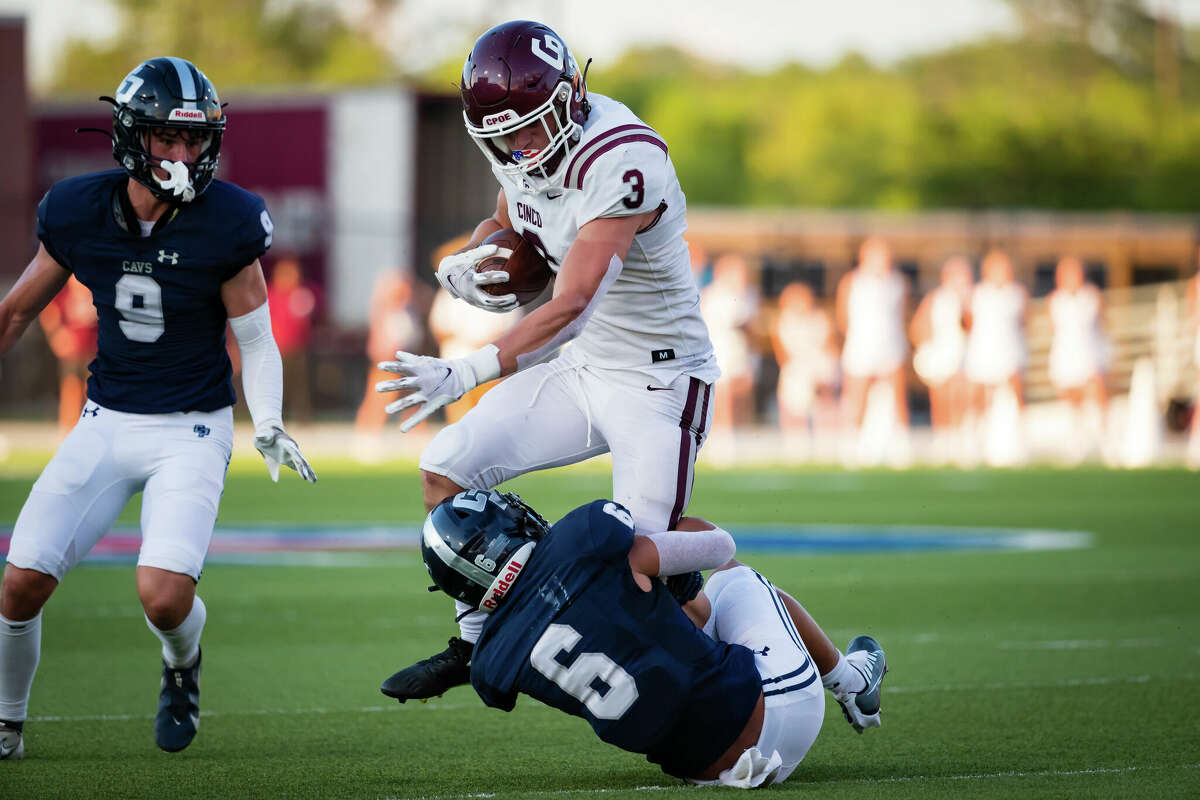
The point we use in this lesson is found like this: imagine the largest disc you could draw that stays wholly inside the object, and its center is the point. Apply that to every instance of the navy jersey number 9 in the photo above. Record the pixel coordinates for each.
(139, 299)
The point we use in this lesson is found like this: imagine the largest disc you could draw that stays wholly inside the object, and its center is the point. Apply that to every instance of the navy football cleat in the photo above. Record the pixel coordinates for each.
(861, 709)
(178, 715)
(432, 676)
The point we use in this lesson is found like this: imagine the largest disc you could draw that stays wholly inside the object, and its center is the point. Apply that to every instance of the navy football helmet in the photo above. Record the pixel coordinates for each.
(167, 93)
(521, 73)
(476, 543)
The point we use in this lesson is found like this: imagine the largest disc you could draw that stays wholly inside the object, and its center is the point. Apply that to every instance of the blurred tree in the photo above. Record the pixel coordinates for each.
(238, 44)
(1094, 105)
(1037, 121)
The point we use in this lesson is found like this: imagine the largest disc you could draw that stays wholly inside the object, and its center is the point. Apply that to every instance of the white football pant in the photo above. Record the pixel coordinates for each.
(178, 461)
(563, 411)
(747, 611)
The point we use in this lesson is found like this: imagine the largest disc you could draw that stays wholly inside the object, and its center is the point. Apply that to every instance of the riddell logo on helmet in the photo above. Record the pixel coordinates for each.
(187, 114)
(497, 119)
(503, 583)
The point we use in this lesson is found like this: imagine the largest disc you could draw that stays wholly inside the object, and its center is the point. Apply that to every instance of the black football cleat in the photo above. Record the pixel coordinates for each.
(178, 715)
(432, 676)
(861, 709)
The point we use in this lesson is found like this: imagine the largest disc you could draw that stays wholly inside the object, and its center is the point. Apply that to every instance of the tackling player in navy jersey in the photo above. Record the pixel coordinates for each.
(170, 255)
(724, 691)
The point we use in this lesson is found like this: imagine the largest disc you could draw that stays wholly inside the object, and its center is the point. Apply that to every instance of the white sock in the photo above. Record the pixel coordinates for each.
(470, 621)
(20, 648)
(843, 678)
(182, 645)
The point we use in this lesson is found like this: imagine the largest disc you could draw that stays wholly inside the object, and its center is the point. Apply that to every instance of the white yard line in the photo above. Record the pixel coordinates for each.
(435, 705)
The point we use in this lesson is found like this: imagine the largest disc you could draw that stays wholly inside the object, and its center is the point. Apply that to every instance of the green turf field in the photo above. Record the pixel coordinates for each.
(1071, 673)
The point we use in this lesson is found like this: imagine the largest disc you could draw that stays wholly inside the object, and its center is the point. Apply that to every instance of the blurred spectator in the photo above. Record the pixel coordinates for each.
(1079, 354)
(871, 306)
(996, 356)
(69, 322)
(803, 342)
(702, 268)
(941, 342)
(729, 305)
(292, 303)
(1193, 304)
(392, 324)
(460, 329)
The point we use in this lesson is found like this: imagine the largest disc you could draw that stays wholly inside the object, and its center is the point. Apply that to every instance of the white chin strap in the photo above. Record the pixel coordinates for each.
(178, 180)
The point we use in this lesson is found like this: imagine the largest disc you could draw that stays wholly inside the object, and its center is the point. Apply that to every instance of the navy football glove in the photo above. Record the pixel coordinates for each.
(685, 587)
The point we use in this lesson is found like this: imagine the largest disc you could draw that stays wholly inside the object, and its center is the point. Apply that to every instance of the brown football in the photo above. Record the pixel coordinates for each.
(528, 272)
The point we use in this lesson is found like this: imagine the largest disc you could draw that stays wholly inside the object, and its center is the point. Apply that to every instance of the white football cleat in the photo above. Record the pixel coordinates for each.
(12, 743)
(861, 709)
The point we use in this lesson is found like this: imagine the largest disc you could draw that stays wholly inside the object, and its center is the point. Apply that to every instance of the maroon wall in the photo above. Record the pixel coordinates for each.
(16, 147)
(277, 150)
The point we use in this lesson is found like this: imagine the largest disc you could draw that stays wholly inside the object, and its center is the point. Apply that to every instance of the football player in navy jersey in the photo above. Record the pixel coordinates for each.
(170, 254)
(724, 690)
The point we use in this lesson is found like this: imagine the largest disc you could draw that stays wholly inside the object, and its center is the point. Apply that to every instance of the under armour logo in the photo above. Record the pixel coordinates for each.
(164, 257)
(93, 411)
(201, 430)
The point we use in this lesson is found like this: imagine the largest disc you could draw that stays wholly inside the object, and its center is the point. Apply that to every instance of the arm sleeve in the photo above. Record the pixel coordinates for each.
(573, 328)
(687, 551)
(262, 367)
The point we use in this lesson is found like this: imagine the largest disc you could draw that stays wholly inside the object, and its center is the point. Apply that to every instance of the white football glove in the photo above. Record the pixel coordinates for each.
(279, 448)
(432, 383)
(456, 273)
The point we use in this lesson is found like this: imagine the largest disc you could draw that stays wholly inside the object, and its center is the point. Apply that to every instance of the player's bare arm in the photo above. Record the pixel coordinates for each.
(245, 291)
(589, 262)
(245, 299)
(33, 291)
(593, 261)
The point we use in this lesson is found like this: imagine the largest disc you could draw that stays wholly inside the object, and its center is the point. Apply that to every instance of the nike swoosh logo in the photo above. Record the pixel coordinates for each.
(554, 196)
(872, 685)
(650, 388)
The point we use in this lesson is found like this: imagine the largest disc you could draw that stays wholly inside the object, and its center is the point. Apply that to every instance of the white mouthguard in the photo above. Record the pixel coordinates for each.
(178, 180)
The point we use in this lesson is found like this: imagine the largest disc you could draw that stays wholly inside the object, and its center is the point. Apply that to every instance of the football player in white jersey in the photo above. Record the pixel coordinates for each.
(591, 187)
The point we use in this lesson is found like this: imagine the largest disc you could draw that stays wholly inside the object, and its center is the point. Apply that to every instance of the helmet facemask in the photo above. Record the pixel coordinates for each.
(535, 170)
(185, 179)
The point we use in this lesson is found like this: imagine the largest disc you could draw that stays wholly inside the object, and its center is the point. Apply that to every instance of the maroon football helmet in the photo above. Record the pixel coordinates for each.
(521, 73)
